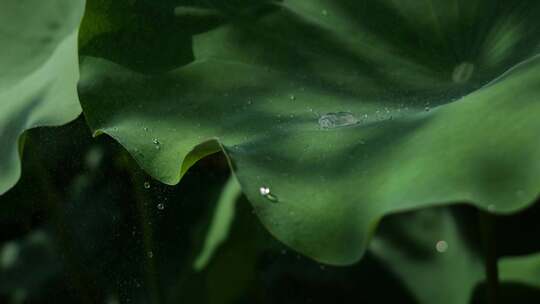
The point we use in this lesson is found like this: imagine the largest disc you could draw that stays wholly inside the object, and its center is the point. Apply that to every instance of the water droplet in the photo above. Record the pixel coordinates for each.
(337, 120)
(145, 129)
(161, 206)
(463, 72)
(156, 143)
(146, 185)
(292, 97)
(441, 246)
(249, 101)
(150, 254)
(265, 191)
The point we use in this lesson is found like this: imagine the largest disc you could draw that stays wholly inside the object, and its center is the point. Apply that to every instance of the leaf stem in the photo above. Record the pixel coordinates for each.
(487, 233)
(141, 198)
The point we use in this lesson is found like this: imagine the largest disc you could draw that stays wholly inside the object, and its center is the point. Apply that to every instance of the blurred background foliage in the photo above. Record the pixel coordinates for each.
(86, 225)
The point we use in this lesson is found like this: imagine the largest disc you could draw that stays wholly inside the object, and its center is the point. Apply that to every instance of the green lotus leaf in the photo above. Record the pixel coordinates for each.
(333, 114)
(39, 64)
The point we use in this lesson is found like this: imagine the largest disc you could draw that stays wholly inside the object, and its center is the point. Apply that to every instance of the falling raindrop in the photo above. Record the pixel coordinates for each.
(441, 246)
(337, 120)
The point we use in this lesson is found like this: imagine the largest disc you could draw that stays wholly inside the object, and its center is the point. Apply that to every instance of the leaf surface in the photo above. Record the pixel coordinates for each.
(335, 113)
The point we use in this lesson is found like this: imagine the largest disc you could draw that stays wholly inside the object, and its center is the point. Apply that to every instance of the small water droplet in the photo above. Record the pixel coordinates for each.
(146, 185)
(156, 143)
(292, 97)
(265, 191)
(441, 246)
(145, 129)
(337, 120)
(150, 254)
(161, 206)
(249, 101)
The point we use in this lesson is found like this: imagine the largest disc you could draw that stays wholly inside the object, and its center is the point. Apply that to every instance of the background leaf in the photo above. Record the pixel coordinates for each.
(433, 252)
(221, 223)
(39, 63)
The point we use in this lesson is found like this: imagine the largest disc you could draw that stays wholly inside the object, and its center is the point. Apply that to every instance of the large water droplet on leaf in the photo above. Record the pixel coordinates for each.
(337, 120)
